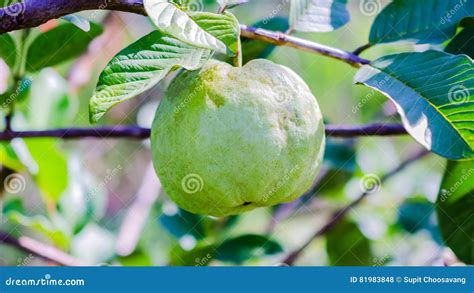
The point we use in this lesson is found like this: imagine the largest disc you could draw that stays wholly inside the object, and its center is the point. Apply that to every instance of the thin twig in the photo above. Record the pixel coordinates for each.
(129, 132)
(136, 132)
(40, 250)
(37, 12)
(8, 121)
(340, 214)
(361, 49)
(375, 129)
(281, 39)
(11, 105)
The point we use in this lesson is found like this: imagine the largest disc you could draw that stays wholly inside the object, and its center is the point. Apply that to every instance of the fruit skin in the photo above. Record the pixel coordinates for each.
(229, 139)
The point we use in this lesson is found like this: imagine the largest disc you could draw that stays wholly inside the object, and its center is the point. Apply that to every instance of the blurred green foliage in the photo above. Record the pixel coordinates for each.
(75, 194)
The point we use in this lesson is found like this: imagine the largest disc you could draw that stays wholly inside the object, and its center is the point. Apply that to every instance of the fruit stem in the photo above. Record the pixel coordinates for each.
(238, 60)
(238, 56)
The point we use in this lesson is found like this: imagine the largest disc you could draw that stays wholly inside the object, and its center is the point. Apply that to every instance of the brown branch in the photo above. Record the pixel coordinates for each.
(40, 250)
(362, 49)
(375, 129)
(340, 214)
(135, 132)
(33, 13)
(281, 39)
(130, 132)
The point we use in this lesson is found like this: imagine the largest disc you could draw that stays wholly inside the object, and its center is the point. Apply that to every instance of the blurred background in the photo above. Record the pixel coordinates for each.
(100, 201)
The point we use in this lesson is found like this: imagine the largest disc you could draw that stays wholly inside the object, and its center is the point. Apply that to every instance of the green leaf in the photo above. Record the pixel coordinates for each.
(340, 155)
(58, 45)
(100, 244)
(8, 49)
(347, 246)
(339, 164)
(49, 92)
(141, 66)
(84, 200)
(255, 49)
(455, 209)
(46, 163)
(41, 225)
(240, 249)
(224, 27)
(415, 214)
(12, 205)
(222, 4)
(183, 223)
(172, 21)
(9, 158)
(200, 256)
(421, 21)
(231, 4)
(136, 259)
(51, 172)
(463, 43)
(433, 92)
(467, 22)
(79, 21)
(318, 15)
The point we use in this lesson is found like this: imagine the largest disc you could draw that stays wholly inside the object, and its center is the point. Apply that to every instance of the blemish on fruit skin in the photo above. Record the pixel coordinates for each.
(217, 100)
(246, 203)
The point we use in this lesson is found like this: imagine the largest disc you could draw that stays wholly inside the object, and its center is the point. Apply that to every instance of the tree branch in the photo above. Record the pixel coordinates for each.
(339, 215)
(41, 250)
(33, 13)
(375, 129)
(136, 132)
(362, 49)
(131, 132)
(281, 39)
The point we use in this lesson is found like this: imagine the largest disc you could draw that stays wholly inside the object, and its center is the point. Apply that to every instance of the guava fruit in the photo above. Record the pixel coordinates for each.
(230, 139)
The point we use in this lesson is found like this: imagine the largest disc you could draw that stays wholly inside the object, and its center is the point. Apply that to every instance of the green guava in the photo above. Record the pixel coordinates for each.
(230, 139)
